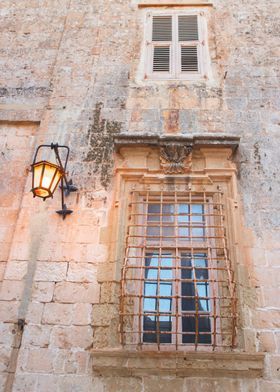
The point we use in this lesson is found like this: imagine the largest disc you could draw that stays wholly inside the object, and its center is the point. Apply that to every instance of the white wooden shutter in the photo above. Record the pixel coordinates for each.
(161, 40)
(161, 59)
(188, 28)
(162, 28)
(188, 37)
(189, 59)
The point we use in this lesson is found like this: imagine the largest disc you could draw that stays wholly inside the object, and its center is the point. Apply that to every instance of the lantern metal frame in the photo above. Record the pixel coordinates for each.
(66, 185)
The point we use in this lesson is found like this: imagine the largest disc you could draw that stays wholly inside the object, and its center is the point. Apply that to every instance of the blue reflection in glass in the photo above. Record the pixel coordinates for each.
(195, 266)
(162, 289)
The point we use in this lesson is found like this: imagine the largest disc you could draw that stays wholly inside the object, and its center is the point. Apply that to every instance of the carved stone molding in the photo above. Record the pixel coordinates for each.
(114, 362)
(175, 158)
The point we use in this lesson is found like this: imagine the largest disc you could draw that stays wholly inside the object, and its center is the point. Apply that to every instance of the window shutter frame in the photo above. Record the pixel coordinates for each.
(159, 43)
(190, 43)
(175, 70)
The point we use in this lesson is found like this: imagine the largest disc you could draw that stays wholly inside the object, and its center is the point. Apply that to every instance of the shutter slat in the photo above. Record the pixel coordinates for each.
(188, 28)
(162, 28)
(161, 59)
(189, 59)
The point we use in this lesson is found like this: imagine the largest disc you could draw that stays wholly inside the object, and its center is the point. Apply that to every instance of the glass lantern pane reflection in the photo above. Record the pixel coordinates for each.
(46, 177)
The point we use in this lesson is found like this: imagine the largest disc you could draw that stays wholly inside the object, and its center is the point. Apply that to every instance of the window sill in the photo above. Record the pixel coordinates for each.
(134, 363)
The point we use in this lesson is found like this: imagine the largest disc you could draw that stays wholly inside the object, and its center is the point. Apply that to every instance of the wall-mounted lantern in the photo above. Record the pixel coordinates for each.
(47, 175)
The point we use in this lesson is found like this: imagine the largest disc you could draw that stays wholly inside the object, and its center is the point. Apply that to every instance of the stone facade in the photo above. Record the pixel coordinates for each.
(70, 72)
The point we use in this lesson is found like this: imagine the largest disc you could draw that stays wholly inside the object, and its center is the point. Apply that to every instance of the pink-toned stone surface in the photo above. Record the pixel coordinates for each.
(69, 73)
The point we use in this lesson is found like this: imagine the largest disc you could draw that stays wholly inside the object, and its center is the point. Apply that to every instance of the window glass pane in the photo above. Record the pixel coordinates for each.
(149, 324)
(165, 305)
(187, 288)
(192, 267)
(165, 272)
(189, 326)
(165, 289)
(153, 233)
(150, 289)
(168, 212)
(149, 304)
(160, 304)
(197, 221)
(153, 212)
(151, 260)
(165, 325)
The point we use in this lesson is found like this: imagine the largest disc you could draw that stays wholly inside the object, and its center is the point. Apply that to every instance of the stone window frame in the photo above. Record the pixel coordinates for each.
(175, 73)
(151, 161)
(137, 156)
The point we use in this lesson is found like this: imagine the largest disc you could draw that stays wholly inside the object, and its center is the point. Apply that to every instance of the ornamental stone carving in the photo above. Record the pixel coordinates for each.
(175, 158)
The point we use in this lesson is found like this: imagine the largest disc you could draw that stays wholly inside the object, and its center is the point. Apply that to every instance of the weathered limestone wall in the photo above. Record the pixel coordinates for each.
(74, 67)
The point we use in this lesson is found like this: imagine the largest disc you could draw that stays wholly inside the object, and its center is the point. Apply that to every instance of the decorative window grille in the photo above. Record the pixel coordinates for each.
(177, 284)
(176, 46)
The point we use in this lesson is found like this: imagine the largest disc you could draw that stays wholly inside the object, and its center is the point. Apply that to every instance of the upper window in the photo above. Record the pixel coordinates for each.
(176, 46)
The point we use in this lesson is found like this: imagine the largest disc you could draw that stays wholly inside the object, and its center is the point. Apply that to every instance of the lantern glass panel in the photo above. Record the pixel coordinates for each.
(37, 172)
(46, 177)
(56, 181)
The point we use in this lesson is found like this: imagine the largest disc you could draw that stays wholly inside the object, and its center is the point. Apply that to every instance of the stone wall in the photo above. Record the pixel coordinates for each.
(70, 73)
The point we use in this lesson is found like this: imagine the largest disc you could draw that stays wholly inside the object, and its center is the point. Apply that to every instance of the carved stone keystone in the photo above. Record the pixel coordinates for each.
(175, 158)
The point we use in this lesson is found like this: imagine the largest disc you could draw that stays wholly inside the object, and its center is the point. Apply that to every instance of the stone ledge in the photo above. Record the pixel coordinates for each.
(174, 3)
(210, 140)
(182, 364)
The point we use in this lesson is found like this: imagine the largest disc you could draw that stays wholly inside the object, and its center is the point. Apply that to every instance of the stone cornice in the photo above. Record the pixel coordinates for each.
(210, 140)
(183, 364)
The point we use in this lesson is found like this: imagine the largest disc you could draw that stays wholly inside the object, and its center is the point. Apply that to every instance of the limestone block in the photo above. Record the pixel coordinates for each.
(43, 291)
(76, 383)
(268, 386)
(7, 332)
(274, 361)
(103, 314)
(34, 312)
(50, 272)
(81, 272)
(105, 272)
(39, 361)
(47, 382)
(163, 384)
(11, 290)
(5, 353)
(124, 384)
(97, 253)
(271, 298)
(77, 363)
(109, 293)
(16, 270)
(266, 342)
(25, 382)
(82, 314)
(71, 337)
(69, 292)
(36, 335)
(56, 313)
(2, 268)
(273, 257)
(86, 234)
